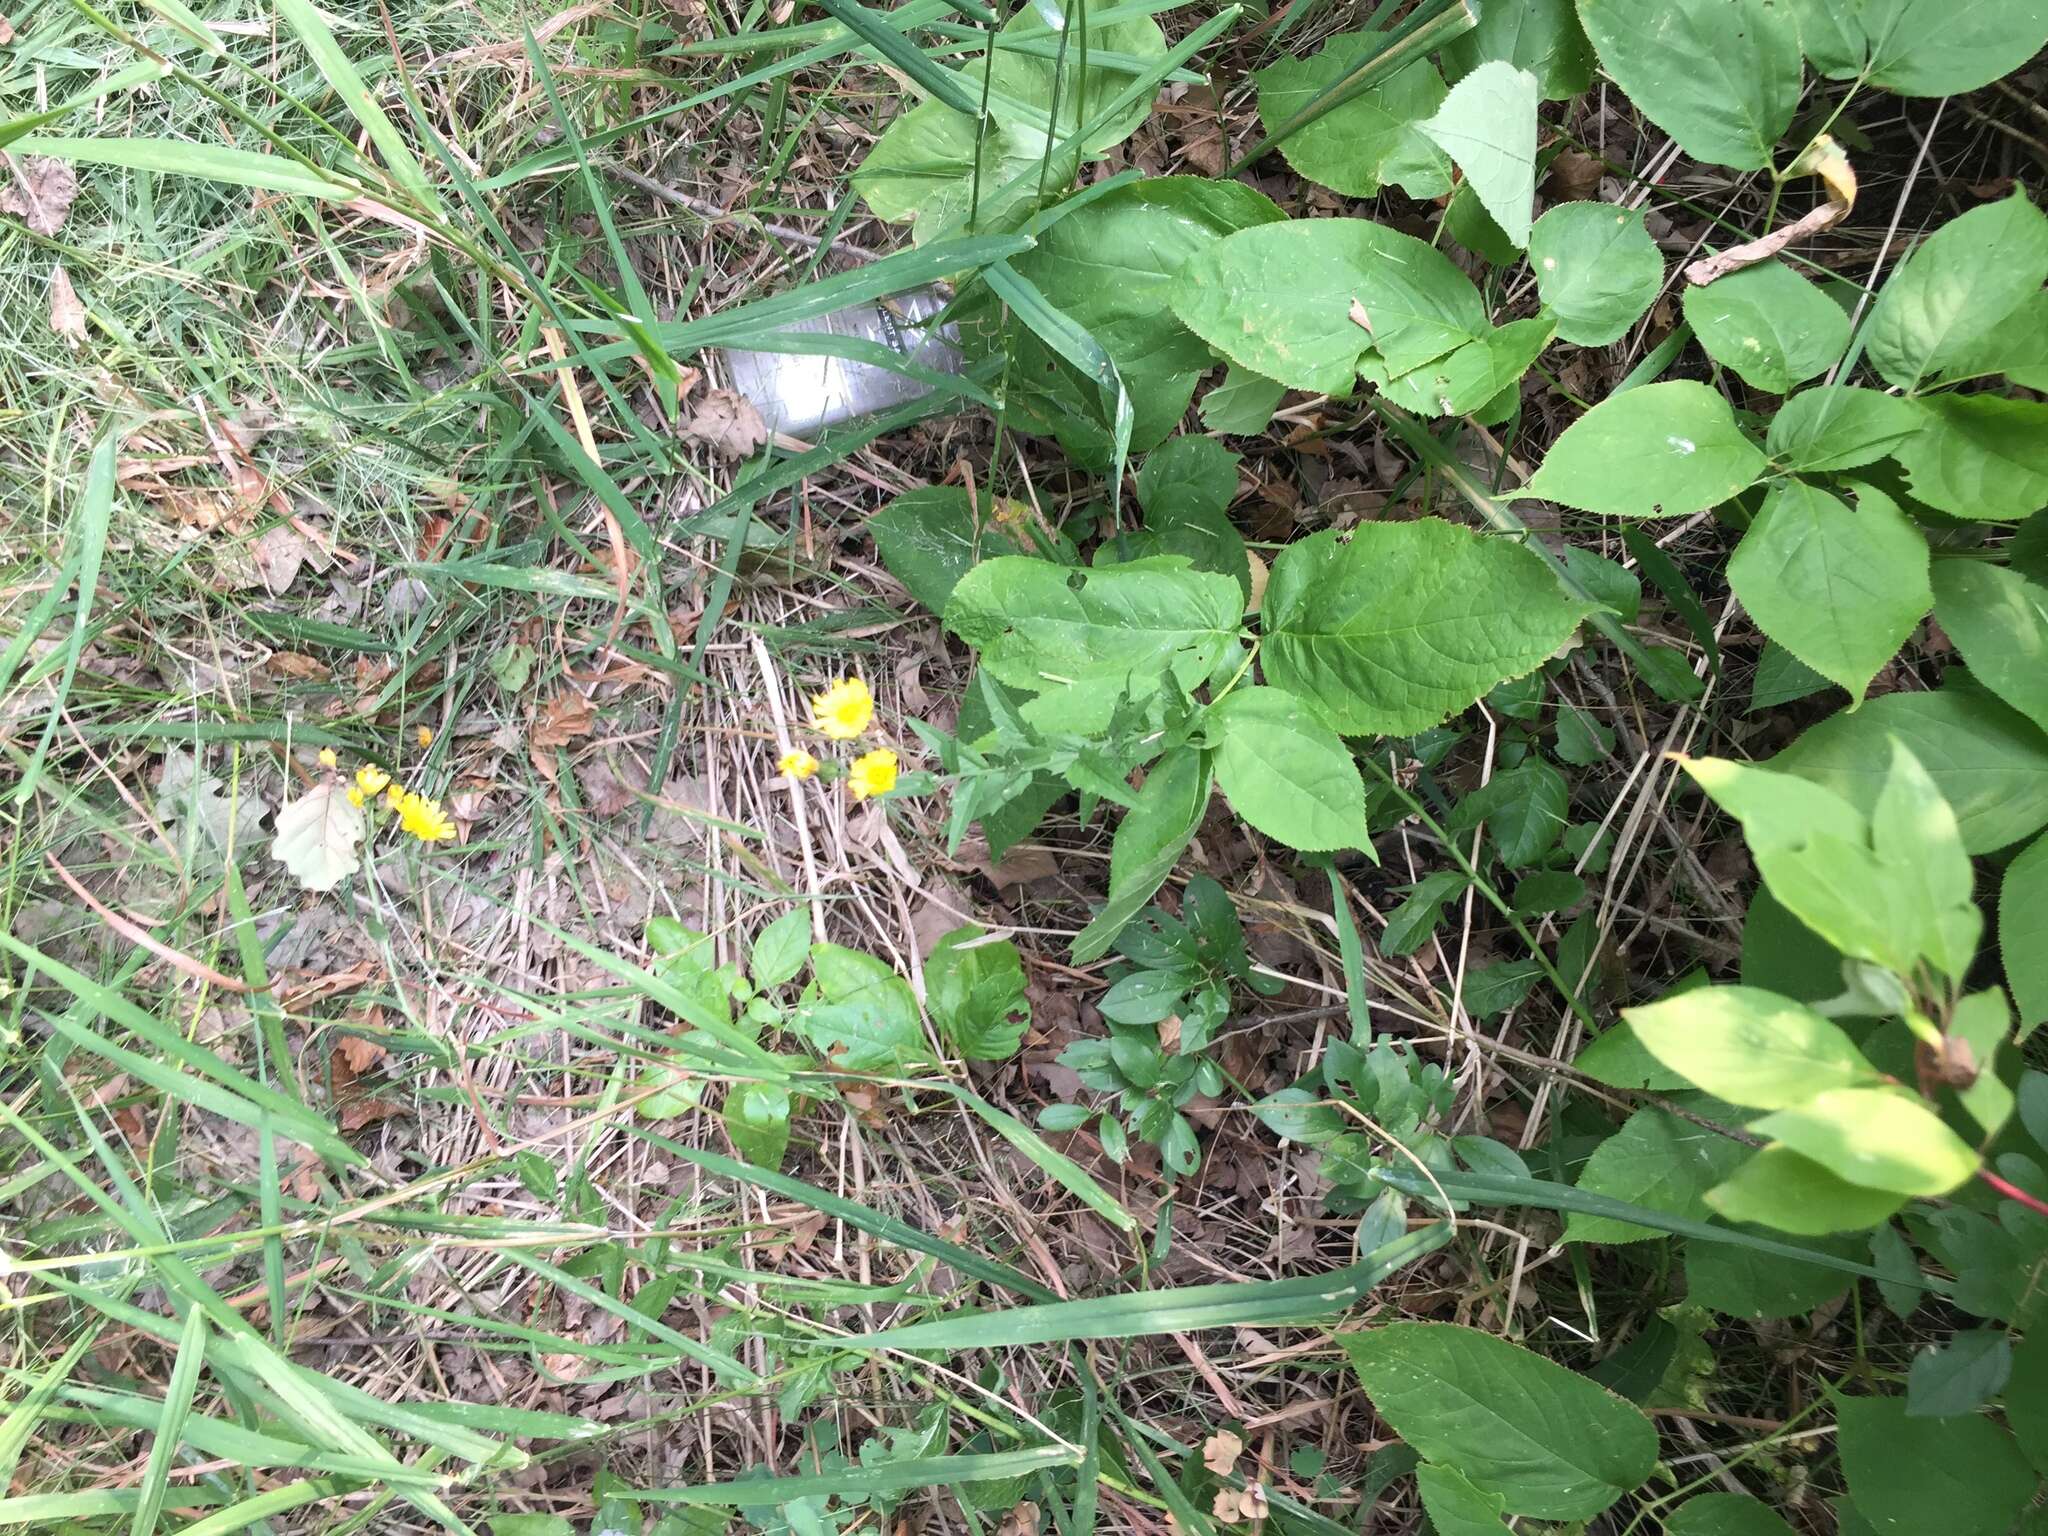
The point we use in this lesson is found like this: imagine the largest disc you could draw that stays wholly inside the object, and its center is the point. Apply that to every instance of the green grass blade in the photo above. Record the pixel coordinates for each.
(1063, 1170)
(210, 162)
(341, 76)
(853, 1483)
(1072, 341)
(87, 548)
(1181, 1309)
(170, 1428)
(875, 31)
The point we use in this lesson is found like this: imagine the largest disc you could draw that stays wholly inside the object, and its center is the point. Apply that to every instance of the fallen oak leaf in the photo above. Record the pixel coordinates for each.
(561, 720)
(317, 836)
(41, 193)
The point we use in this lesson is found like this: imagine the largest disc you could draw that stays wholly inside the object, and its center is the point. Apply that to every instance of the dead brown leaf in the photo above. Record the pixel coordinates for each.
(561, 720)
(356, 1103)
(1018, 866)
(6, 31)
(1220, 1452)
(279, 552)
(67, 315)
(728, 424)
(1021, 1521)
(41, 193)
(1574, 176)
(1234, 1505)
(359, 1054)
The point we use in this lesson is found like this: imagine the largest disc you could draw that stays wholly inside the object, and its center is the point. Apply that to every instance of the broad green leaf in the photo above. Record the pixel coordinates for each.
(1979, 456)
(1242, 404)
(1768, 325)
(1781, 954)
(2017, 348)
(1959, 1375)
(1781, 678)
(1977, 1031)
(1094, 635)
(1655, 1160)
(1836, 426)
(2023, 933)
(1476, 373)
(1110, 265)
(1597, 269)
(1524, 809)
(2026, 1398)
(1724, 1514)
(756, 1117)
(1619, 1059)
(1751, 1048)
(1403, 624)
(1720, 76)
(1880, 1138)
(1541, 36)
(1551, 1443)
(1914, 834)
(1744, 1282)
(1921, 47)
(1962, 1477)
(930, 537)
(923, 170)
(1185, 488)
(1780, 1189)
(858, 1014)
(1370, 141)
(780, 949)
(1956, 288)
(1661, 450)
(1842, 590)
(1286, 772)
(1419, 306)
(1989, 762)
(1409, 925)
(1487, 125)
(974, 988)
(1147, 845)
(1466, 221)
(1456, 1507)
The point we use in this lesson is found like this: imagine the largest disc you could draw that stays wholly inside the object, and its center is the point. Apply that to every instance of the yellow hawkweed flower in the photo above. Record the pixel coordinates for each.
(424, 818)
(355, 797)
(798, 764)
(371, 779)
(394, 798)
(843, 711)
(872, 773)
(327, 757)
(426, 736)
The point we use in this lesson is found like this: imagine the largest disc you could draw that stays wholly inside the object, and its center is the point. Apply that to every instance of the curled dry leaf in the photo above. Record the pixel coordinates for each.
(1220, 1452)
(317, 836)
(728, 424)
(1248, 1503)
(279, 552)
(41, 193)
(1020, 1521)
(561, 720)
(67, 315)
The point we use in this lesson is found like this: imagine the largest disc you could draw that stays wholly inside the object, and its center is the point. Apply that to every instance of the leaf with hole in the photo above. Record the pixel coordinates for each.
(1597, 269)
(1721, 77)
(1661, 450)
(1549, 1442)
(1768, 325)
(1403, 624)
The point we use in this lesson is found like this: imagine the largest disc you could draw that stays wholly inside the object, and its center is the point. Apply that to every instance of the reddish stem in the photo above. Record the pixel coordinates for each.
(2013, 1192)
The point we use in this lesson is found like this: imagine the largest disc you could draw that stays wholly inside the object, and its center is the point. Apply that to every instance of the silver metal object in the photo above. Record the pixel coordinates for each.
(799, 393)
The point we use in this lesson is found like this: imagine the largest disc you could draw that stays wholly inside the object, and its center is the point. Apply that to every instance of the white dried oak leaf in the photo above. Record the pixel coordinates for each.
(317, 836)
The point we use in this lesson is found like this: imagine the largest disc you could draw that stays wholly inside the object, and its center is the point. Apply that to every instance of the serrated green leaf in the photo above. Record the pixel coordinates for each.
(1524, 809)
(1749, 1047)
(1549, 1442)
(975, 989)
(1959, 1375)
(930, 537)
(1286, 772)
(1456, 1506)
(858, 1014)
(1979, 456)
(1768, 325)
(1921, 47)
(1487, 125)
(1834, 427)
(1403, 624)
(1780, 1189)
(2017, 347)
(1597, 269)
(780, 949)
(756, 1117)
(1724, 1514)
(1956, 288)
(1370, 141)
(1185, 487)
(1840, 589)
(1655, 1160)
(2023, 933)
(1147, 844)
(1242, 404)
(1661, 450)
(1721, 77)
